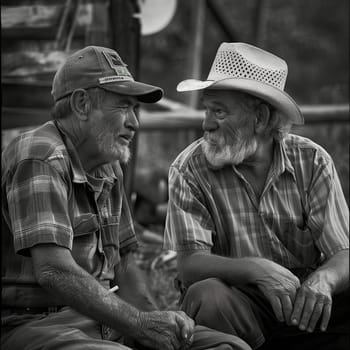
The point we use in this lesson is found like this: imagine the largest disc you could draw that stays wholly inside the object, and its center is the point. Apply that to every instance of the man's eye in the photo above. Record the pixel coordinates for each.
(219, 113)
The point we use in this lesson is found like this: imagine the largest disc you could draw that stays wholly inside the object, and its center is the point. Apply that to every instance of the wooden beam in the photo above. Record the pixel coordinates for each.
(314, 114)
(28, 33)
(36, 94)
(12, 117)
(42, 2)
(184, 119)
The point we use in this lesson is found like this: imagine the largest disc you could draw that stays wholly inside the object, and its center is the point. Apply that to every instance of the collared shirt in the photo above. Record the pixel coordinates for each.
(47, 197)
(300, 218)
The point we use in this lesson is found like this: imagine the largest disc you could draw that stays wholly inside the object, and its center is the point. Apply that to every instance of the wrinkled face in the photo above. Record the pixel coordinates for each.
(228, 127)
(113, 126)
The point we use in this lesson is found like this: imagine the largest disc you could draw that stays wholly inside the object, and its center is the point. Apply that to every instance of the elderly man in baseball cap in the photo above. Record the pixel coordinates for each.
(257, 214)
(69, 278)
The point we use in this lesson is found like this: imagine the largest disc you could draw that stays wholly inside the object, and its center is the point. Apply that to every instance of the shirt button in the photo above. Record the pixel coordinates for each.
(106, 331)
(269, 221)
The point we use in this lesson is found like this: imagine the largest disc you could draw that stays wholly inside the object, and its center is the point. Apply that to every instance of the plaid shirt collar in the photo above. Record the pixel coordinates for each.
(281, 162)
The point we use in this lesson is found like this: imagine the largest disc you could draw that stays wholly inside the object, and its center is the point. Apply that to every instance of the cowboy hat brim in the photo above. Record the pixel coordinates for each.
(276, 97)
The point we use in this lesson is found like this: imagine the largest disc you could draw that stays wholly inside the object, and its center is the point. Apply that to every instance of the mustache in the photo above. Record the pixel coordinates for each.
(223, 139)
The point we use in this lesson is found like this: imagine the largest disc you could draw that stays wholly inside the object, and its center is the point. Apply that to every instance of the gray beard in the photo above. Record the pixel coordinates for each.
(112, 149)
(235, 154)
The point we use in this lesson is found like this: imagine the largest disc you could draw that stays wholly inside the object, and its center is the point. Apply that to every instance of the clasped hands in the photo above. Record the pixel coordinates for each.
(166, 330)
(298, 304)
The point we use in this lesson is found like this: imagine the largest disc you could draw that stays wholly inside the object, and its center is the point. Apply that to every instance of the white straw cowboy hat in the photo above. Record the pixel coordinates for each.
(243, 67)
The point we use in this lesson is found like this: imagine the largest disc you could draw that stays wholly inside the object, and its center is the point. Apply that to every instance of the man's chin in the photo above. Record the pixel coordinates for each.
(219, 162)
(125, 155)
(219, 159)
(121, 154)
(228, 155)
(213, 155)
(214, 159)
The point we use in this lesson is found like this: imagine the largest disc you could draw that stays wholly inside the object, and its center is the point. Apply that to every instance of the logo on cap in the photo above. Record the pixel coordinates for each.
(116, 63)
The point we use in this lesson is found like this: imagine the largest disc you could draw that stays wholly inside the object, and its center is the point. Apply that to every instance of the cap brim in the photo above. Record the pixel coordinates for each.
(144, 92)
(276, 97)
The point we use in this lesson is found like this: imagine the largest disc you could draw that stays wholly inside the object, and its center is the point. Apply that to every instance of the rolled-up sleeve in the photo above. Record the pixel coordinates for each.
(329, 213)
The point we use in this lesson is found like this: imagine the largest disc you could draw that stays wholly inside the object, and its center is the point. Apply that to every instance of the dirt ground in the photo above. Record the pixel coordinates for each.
(159, 275)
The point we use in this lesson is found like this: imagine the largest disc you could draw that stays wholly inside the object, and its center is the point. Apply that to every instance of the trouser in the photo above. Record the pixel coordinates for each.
(246, 313)
(67, 329)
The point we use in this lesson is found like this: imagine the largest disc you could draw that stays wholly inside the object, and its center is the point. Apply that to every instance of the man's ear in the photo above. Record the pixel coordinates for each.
(80, 103)
(262, 118)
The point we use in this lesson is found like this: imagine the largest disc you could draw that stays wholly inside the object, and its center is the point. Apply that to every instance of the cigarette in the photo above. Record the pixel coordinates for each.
(113, 289)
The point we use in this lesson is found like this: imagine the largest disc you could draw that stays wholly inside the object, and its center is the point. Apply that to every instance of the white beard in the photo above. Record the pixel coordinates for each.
(124, 154)
(111, 148)
(223, 154)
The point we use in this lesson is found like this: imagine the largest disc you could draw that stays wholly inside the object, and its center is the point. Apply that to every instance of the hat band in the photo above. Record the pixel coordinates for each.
(114, 78)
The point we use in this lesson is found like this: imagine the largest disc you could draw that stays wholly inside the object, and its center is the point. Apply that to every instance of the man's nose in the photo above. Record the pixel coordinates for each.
(209, 122)
(131, 120)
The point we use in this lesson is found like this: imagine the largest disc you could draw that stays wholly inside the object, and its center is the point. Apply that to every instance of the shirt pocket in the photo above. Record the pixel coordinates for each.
(110, 239)
(85, 224)
(300, 243)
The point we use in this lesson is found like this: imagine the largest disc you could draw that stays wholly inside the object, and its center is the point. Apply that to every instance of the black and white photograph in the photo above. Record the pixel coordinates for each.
(175, 175)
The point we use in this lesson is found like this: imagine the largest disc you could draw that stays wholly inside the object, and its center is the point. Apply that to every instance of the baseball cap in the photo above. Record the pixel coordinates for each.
(95, 66)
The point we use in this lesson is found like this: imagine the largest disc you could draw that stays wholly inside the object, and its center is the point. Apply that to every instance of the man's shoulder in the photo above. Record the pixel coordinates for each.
(297, 145)
(42, 143)
(191, 155)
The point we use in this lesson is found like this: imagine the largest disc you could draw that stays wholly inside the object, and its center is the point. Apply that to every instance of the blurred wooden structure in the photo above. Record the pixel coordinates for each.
(26, 98)
(168, 116)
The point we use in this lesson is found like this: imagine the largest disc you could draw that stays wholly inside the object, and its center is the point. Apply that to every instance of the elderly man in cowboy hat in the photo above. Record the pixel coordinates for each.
(257, 215)
(69, 279)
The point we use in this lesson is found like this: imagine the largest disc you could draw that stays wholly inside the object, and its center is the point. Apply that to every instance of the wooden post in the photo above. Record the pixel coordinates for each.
(97, 32)
(125, 39)
(196, 52)
(217, 10)
(259, 22)
(198, 11)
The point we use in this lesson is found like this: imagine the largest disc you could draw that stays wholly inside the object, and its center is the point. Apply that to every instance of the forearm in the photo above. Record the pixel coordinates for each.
(57, 271)
(133, 286)
(335, 272)
(234, 271)
(79, 290)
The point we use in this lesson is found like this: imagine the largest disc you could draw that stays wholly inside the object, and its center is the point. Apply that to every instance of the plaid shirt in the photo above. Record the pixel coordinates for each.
(48, 198)
(301, 218)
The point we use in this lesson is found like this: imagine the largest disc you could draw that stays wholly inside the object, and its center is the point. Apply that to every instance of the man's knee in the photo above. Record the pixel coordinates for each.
(214, 304)
(211, 301)
(207, 295)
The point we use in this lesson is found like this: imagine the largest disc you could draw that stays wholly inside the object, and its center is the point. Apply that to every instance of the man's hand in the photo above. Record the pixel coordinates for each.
(166, 330)
(278, 285)
(313, 300)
